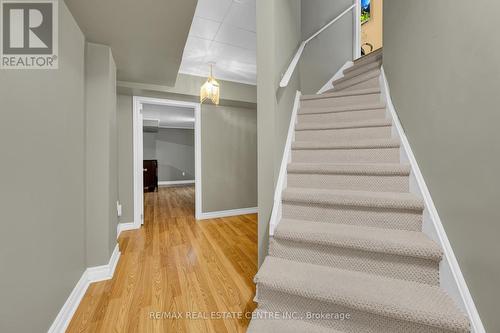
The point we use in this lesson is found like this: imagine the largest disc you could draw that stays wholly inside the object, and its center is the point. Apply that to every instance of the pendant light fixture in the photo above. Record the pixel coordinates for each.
(210, 90)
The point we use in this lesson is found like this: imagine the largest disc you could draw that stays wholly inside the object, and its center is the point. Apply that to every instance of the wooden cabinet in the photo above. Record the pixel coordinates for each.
(150, 173)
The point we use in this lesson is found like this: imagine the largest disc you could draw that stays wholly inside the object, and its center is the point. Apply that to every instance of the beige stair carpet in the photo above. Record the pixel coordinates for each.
(349, 254)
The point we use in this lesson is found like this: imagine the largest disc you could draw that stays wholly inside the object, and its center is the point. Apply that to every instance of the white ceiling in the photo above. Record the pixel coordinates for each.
(169, 116)
(224, 32)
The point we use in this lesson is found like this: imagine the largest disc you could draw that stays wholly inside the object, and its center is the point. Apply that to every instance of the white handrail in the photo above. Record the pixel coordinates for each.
(293, 64)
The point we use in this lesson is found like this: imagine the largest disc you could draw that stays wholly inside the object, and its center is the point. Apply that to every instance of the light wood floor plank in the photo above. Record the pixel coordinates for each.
(175, 264)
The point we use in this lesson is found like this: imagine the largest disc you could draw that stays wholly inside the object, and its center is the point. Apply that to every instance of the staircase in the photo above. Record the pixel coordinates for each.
(349, 254)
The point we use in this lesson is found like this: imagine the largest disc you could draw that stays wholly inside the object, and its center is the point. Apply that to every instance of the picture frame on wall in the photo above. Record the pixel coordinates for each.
(365, 11)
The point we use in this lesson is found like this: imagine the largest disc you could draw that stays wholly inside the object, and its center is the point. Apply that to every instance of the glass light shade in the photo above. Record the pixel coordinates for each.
(210, 90)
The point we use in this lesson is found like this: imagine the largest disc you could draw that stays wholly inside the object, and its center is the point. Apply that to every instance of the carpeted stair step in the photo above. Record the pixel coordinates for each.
(374, 303)
(357, 69)
(402, 211)
(358, 177)
(362, 151)
(270, 322)
(373, 82)
(399, 254)
(344, 131)
(342, 98)
(369, 58)
(341, 114)
(362, 81)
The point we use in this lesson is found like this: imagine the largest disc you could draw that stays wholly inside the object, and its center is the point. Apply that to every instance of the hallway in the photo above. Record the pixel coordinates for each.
(174, 267)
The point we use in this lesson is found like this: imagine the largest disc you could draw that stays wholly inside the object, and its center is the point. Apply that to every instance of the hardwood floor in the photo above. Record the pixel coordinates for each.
(175, 267)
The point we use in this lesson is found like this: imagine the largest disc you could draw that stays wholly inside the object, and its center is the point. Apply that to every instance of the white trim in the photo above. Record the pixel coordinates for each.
(287, 156)
(104, 272)
(197, 163)
(451, 278)
(177, 127)
(356, 52)
(295, 60)
(69, 308)
(125, 227)
(138, 153)
(90, 275)
(137, 124)
(226, 213)
(340, 74)
(176, 182)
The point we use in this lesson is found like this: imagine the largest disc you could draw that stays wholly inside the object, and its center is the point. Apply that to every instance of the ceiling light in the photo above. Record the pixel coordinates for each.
(210, 90)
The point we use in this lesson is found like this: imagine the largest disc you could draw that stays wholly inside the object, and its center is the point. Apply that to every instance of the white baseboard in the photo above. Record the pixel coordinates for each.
(104, 272)
(226, 213)
(287, 156)
(338, 75)
(69, 308)
(90, 275)
(175, 182)
(451, 278)
(126, 226)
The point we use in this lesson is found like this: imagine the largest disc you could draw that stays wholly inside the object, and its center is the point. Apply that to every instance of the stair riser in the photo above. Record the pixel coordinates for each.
(344, 134)
(374, 155)
(358, 70)
(372, 83)
(369, 59)
(394, 183)
(364, 216)
(387, 265)
(342, 101)
(359, 321)
(341, 116)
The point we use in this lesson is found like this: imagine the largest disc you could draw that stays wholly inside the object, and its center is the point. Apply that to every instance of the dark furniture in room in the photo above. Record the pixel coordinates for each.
(150, 172)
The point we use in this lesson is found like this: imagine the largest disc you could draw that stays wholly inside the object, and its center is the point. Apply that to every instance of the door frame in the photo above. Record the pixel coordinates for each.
(138, 101)
(356, 52)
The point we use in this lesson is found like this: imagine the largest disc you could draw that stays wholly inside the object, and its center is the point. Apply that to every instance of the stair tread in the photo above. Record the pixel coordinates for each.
(388, 241)
(357, 144)
(265, 322)
(388, 200)
(398, 299)
(338, 109)
(369, 57)
(377, 169)
(377, 61)
(361, 76)
(357, 92)
(362, 68)
(343, 124)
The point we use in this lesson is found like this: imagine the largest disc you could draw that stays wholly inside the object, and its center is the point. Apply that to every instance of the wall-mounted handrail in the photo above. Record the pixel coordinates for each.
(293, 64)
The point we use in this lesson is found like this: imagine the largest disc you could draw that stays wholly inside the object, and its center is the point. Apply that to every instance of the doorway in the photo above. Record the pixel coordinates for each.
(371, 20)
(146, 121)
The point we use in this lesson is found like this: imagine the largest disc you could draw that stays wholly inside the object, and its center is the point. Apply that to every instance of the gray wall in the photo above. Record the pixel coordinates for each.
(442, 67)
(101, 154)
(324, 55)
(174, 150)
(278, 37)
(125, 158)
(229, 158)
(42, 245)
